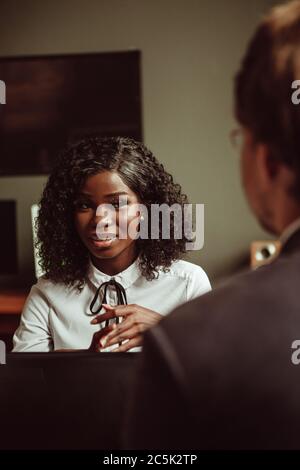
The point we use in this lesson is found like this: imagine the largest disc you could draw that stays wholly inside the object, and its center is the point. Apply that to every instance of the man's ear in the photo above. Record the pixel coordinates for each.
(272, 171)
(268, 167)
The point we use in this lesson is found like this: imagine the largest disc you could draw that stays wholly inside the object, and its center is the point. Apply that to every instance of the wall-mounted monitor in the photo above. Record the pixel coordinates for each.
(8, 238)
(52, 100)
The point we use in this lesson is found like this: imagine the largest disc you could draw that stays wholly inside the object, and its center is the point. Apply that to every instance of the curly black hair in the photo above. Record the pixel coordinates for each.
(63, 256)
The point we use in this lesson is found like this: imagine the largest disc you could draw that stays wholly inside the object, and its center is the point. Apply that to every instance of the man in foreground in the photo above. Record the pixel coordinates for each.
(219, 372)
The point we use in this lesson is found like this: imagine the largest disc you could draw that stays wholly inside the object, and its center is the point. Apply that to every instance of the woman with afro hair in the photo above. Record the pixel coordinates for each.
(101, 291)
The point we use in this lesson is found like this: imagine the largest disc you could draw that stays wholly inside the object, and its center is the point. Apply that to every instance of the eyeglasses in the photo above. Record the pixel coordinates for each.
(237, 138)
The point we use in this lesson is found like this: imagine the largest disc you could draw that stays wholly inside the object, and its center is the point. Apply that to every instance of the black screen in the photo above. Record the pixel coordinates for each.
(54, 100)
(8, 238)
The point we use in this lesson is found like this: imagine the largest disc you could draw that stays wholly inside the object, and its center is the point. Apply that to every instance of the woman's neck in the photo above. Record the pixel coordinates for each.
(113, 266)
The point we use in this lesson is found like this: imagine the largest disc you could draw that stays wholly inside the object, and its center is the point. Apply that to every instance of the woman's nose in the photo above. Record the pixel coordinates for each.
(104, 217)
(103, 213)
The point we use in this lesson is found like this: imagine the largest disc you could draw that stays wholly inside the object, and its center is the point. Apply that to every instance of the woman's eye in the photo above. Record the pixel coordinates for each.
(82, 205)
(119, 204)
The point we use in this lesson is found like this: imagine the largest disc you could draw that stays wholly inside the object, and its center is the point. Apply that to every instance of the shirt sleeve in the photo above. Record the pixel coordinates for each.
(33, 333)
(198, 283)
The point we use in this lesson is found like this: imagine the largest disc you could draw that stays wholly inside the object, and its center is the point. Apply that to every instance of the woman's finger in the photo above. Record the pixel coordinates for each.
(98, 337)
(125, 325)
(113, 312)
(103, 317)
(124, 310)
(130, 333)
(132, 343)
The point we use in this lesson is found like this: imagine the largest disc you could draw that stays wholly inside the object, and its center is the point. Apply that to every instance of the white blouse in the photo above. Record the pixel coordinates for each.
(57, 317)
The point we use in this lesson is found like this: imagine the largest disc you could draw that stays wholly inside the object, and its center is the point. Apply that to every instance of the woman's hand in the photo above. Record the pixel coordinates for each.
(136, 320)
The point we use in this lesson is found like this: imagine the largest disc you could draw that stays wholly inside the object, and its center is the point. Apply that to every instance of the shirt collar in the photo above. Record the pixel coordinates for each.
(289, 231)
(126, 278)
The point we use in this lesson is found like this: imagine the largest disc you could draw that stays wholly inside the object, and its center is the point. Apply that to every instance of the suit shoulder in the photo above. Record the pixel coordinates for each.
(246, 298)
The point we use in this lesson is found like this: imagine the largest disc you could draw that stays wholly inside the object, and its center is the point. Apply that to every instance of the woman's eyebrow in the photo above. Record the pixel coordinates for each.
(85, 194)
(117, 193)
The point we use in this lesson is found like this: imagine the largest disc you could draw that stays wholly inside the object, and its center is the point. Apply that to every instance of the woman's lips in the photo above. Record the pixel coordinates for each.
(102, 243)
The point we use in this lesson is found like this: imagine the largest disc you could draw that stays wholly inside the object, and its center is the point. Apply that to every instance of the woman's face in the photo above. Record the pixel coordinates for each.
(99, 233)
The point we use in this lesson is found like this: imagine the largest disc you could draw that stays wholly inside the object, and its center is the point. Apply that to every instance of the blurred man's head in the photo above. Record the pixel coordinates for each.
(270, 122)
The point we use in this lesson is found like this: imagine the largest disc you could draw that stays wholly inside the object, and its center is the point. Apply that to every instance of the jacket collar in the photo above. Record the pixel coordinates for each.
(290, 239)
(126, 278)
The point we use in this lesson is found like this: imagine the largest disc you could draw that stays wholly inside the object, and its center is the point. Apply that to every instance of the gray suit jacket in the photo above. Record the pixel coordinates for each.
(217, 372)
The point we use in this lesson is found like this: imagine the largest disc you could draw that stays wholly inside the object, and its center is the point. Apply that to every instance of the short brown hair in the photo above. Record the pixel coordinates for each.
(263, 85)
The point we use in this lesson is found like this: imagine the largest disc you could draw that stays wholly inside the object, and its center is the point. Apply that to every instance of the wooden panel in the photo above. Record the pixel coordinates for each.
(11, 306)
(12, 302)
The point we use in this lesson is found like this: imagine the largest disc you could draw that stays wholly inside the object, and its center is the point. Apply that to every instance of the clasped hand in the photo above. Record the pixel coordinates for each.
(136, 320)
